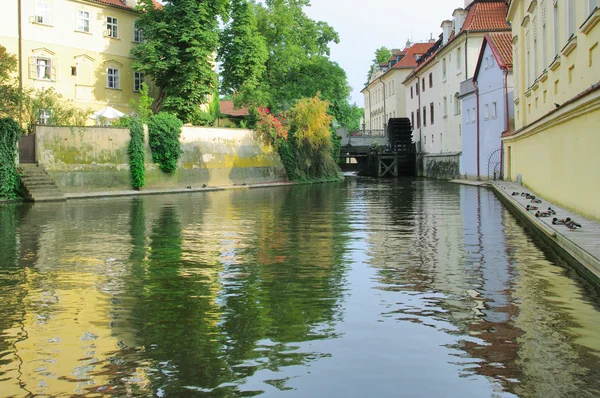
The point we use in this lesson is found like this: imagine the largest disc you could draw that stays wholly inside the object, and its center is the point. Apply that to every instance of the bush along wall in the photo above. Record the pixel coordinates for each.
(137, 153)
(10, 131)
(164, 130)
(304, 140)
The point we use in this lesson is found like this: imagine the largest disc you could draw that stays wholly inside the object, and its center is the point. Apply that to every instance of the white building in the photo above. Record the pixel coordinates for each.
(432, 89)
(384, 96)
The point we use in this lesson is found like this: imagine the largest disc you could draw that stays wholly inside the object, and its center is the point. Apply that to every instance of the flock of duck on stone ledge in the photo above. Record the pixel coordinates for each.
(567, 222)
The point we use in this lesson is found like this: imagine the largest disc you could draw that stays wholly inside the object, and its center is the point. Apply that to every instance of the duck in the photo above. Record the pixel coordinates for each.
(529, 208)
(524, 194)
(529, 196)
(551, 211)
(542, 214)
(556, 221)
(536, 201)
(572, 225)
(203, 185)
(188, 187)
(515, 194)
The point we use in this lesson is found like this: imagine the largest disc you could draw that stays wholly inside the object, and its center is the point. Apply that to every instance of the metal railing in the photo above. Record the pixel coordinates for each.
(366, 133)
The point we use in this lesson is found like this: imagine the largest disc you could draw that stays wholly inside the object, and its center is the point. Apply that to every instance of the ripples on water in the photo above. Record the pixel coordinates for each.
(364, 288)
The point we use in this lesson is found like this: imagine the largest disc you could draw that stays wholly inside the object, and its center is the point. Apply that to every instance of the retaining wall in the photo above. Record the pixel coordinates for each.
(95, 159)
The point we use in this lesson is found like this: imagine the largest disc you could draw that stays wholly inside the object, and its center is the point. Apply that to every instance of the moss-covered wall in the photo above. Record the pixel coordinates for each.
(95, 158)
(444, 166)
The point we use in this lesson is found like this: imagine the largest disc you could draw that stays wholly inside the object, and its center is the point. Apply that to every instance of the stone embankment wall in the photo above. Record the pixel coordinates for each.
(443, 166)
(95, 159)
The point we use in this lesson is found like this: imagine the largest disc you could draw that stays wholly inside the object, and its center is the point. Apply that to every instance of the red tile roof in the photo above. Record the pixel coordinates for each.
(226, 108)
(483, 16)
(503, 44)
(121, 4)
(487, 17)
(409, 60)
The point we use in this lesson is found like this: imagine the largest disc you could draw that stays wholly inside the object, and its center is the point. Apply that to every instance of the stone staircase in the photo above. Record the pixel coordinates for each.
(38, 186)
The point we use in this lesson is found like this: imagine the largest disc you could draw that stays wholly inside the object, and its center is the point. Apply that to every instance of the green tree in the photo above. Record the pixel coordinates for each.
(9, 88)
(382, 54)
(143, 106)
(243, 54)
(180, 40)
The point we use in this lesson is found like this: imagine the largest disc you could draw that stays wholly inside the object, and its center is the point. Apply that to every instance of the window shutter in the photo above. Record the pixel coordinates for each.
(32, 67)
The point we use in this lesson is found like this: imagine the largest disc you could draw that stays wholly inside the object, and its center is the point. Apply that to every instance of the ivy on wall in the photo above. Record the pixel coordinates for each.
(10, 131)
(164, 130)
(137, 153)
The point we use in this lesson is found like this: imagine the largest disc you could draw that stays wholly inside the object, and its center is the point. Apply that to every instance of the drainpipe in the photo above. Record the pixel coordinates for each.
(20, 55)
(477, 124)
(467, 56)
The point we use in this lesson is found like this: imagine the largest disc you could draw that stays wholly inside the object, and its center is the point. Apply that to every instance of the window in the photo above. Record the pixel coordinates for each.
(544, 35)
(393, 87)
(492, 62)
(424, 139)
(138, 37)
(528, 59)
(486, 63)
(112, 27)
(42, 12)
(456, 104)
(431, 112)
(468, 116)
(417, 87)
(412, 119)
(411, 92)
(112, 78)
(423, 85)
(570, 18)
(486, 112)
(424, 116)
(41, 69)
(458, 59)
(444, 69)
(432, 139)
(83, 21)
(430, 80)
(473, 114)
(556, 30)
(591, 6)
(44, 116)
(445, 106)
(535, 48)
(138, 79)
(418, 119)
(493, 110)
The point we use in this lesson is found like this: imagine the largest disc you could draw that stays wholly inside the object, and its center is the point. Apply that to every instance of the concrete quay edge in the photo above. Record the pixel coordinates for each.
(142, 192)
(587, 264)
(581, 259)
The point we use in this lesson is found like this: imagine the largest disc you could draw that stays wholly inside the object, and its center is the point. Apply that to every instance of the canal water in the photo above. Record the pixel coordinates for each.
(411, 288)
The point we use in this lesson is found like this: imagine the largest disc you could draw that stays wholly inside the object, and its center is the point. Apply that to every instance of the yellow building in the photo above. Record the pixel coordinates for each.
(79, 47)
(554, 148)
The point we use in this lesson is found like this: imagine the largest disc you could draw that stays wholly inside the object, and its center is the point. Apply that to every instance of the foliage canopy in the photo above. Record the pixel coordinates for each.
(164, 130)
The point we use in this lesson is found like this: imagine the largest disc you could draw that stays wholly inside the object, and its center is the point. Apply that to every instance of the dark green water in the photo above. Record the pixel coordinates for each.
(359, 289)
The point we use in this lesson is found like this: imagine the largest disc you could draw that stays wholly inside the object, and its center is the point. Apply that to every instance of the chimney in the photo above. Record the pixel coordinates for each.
(446, 30)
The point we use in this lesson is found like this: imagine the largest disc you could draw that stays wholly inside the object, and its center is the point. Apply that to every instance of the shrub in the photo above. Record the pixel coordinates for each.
(137, 153)
(269, 128)
(164, 130)
(10, 131)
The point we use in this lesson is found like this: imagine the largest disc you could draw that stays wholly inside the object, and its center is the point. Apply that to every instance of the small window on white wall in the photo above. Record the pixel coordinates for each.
(468, 115)
(491, 61)
(486, 112)
(473, 115)
(493, 110)
(486, 62)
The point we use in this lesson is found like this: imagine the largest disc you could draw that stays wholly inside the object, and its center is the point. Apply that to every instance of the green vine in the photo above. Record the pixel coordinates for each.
(137, 153)
(164, 130)
(10, 131)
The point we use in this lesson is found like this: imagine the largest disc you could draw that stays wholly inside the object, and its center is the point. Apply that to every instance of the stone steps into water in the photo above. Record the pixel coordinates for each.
(38, 186)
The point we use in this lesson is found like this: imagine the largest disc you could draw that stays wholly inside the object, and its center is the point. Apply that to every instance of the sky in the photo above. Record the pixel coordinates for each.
(366, 25)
